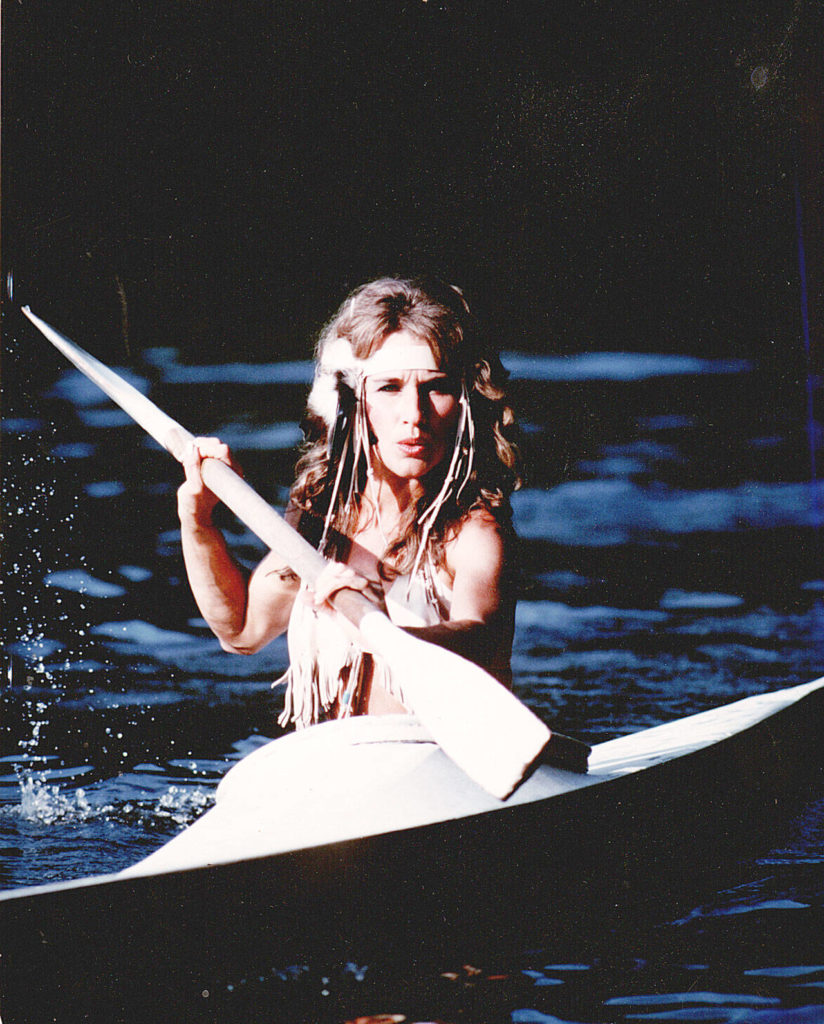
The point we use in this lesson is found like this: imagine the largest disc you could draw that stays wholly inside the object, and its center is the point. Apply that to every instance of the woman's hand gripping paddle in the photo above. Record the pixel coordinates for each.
(481, 725)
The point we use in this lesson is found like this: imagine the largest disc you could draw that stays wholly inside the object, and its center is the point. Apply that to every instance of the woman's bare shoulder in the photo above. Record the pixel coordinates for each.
(478, 541)
(477, 523)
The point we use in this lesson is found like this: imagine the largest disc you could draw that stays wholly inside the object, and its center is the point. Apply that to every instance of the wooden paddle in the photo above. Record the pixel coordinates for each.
(483, 727)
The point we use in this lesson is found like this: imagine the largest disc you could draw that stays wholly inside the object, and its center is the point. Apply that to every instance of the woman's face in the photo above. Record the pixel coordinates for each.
(413, 413)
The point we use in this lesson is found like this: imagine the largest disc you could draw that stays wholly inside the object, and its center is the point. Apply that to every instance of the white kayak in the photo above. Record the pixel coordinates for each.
(366, 776)
(359, 839)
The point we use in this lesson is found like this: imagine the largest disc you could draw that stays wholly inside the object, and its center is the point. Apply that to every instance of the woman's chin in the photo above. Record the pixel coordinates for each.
(408, 469)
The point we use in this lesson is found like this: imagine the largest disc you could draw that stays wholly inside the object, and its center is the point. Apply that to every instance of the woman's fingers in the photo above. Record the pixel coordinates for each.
(191, 465)
(195, 500)
(207, 448)
(214, 448)
(337, 576)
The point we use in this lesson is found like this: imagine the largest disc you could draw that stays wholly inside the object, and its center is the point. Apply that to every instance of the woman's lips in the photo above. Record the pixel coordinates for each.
(414, 447)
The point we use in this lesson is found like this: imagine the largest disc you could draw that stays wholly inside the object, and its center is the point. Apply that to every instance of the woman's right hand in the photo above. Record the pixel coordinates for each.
(195, 502)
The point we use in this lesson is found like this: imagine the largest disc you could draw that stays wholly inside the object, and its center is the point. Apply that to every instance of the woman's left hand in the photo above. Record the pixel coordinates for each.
(337, 576)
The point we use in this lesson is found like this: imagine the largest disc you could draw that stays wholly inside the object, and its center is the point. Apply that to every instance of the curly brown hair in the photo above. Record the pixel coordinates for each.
(439, 315)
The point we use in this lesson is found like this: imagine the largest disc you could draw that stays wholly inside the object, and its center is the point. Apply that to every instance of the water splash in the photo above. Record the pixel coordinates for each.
(47, 804)
(42, 802)
(183, 805)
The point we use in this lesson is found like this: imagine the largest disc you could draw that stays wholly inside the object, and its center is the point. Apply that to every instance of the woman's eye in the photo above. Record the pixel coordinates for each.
(389, 386)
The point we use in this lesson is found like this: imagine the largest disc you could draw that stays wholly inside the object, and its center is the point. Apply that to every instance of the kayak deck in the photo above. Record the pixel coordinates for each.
(369, 776)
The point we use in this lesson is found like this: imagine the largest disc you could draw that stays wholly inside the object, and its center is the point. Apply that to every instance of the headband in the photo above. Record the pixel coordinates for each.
(337, 361)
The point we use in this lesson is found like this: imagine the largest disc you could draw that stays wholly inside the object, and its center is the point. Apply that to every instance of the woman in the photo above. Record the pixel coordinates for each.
(405, 487)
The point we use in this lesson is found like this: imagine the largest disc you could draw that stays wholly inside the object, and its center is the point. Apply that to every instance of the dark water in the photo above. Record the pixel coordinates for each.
(672, 547)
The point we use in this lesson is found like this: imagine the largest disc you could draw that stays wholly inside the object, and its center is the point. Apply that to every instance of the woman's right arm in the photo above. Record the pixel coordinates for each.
(243, 613)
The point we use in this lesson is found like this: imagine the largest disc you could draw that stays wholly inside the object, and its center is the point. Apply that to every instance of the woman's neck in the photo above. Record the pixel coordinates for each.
(385, 507)
(393, 496)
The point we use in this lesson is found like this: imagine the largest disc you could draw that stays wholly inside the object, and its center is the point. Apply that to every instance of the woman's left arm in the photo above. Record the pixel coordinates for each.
(482, 617)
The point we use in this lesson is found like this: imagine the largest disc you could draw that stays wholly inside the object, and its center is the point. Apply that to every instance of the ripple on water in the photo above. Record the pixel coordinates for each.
(603, 513)
(684, 999)
(21, 425)
(274, 437)
(135, 573)
(785, 972)
(615, 366)
(82, 582)
(74, 450)
(677, 599)
(292, 372)
(105, 489)
(142, 633)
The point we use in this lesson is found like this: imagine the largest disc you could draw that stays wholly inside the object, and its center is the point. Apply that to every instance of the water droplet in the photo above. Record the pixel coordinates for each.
(759, 77)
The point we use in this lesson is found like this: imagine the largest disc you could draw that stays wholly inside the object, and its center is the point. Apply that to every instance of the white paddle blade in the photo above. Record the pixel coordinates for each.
(145, 413)
(480, 724)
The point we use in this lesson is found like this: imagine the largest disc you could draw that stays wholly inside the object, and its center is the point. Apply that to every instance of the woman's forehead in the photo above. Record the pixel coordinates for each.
(401, 352)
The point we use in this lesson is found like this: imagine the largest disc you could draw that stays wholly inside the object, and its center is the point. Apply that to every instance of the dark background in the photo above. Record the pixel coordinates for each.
(597, 175)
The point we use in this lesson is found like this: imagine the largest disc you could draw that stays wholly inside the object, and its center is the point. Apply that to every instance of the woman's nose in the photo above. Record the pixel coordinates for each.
(413, 405)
